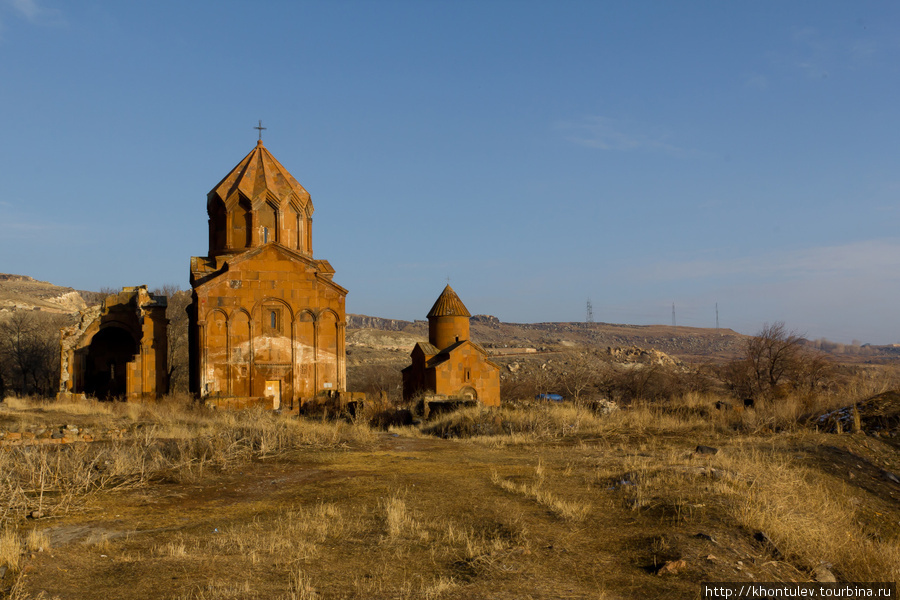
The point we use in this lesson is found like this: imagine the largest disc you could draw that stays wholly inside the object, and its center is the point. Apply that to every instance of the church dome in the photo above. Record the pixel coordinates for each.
(258, 173)
(257, 203)
(448, 304)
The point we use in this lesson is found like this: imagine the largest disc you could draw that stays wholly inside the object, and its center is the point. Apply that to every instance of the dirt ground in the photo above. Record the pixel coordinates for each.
(413, 517)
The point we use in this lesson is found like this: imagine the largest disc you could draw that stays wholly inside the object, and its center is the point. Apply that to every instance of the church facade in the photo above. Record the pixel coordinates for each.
(267, 322)
(450, 365)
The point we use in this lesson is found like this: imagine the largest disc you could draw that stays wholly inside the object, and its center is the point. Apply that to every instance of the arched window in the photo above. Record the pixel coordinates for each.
(268, 222)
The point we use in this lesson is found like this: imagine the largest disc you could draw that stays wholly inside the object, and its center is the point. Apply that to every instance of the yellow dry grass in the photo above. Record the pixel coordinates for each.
(527, 501)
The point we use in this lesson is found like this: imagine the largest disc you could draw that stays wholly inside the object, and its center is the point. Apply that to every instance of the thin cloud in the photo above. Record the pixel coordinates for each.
(33, 12)
(756, 82)
(874, 258)
(604, 133)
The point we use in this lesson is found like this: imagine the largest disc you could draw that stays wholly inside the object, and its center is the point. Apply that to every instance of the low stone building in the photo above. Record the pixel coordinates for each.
(450, 365)
(267, 323)
(117, 349)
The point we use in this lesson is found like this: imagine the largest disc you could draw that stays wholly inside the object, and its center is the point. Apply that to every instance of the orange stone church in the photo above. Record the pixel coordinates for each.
(450, 365)
(266, 320)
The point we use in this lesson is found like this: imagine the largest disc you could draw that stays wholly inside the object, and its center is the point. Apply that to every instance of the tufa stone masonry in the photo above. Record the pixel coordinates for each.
(267, 323)
(117, 349)
(450, 365)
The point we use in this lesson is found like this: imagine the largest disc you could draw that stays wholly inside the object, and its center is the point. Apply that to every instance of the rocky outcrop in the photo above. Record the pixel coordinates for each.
(642, 355)
(489, 320)
(20, 292)
(366, 322)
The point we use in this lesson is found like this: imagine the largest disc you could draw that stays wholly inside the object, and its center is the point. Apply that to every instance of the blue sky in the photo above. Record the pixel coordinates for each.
(639, 154)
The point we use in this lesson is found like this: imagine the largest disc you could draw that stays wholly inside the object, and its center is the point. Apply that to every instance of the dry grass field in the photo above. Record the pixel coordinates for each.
(529, 501)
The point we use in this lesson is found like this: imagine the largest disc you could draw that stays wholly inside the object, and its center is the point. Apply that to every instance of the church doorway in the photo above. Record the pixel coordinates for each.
(273, 391)
(109, 353)
(468, 393)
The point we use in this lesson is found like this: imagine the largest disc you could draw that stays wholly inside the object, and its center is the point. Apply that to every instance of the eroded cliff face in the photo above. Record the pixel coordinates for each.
(20, 292)
(366, 322)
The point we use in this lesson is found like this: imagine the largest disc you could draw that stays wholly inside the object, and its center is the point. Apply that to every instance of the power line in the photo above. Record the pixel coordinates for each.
(590, 312)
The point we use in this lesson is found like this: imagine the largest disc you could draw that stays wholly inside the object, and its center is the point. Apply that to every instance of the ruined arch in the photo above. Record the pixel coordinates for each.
(106, 367)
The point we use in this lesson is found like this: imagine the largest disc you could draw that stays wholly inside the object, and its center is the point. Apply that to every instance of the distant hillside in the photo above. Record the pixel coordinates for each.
(20, 292)
(687, 343)
(690, 344)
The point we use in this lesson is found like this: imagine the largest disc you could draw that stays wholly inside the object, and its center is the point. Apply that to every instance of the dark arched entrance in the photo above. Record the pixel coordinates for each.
(108, 356)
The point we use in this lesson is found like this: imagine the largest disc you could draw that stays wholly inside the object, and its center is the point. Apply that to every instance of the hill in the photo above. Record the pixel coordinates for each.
(20, 292)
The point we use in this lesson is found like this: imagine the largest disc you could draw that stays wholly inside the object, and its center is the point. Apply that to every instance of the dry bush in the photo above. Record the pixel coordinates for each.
(777, 363)
(400, 522)
(532, 422)
(535, 421)
(164, 441)
(10, 549)
(284, 538)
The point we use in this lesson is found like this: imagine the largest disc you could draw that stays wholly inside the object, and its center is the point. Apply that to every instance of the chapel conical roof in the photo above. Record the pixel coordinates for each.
(448, 304)
(260, 173)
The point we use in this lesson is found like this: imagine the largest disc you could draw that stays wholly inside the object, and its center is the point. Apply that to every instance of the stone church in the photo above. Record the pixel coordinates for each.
(267, 322)
(450, 365)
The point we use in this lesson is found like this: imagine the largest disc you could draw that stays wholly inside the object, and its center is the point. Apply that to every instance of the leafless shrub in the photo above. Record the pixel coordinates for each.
(777, 363)
(376, 381)
(29, 352)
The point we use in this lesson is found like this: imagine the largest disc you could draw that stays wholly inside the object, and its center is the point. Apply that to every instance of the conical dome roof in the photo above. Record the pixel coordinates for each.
(448, 304)
(258, 173)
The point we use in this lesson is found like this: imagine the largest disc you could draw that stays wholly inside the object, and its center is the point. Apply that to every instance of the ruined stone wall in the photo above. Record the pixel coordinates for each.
(117, 349)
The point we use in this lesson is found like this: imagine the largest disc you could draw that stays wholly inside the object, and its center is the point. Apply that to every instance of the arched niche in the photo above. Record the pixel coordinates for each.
(239, 331)
(217, 358)
(272, 325)
(294, 221)
(241, 224)
(327, 346)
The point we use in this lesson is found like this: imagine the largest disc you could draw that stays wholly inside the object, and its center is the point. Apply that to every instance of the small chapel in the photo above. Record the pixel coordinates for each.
(267, 322)
(451, 365)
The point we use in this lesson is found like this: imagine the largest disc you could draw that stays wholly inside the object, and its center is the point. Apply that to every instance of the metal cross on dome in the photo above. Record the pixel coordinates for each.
(261, 129)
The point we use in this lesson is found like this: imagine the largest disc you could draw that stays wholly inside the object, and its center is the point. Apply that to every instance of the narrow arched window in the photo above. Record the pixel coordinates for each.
(265, 235)
(273, 320)
(299, 234)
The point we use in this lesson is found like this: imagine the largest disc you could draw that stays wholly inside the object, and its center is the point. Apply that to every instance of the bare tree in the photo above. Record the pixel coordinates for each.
(579, 373)
(776, 361)
(177, 335)
(29, 351)
(375, 379)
